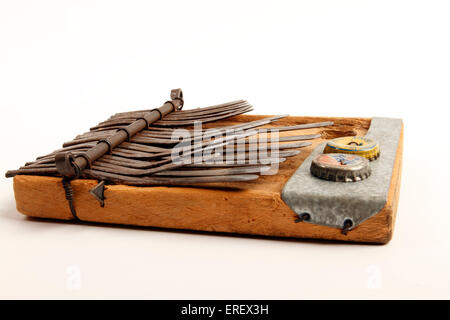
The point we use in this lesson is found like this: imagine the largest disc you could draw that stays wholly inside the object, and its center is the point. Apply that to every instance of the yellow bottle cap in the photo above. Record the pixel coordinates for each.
(360, 146)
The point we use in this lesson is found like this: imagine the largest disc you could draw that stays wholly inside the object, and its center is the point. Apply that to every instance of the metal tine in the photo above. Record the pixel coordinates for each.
(188, 123)
(259, 146)
(111, 167)
(166, 164)
(117, 151)
(306, 126)
(206, 172)
(205, 147)
(248, 155)
(172, 123)
(224, 114)
(214, 172)
(49, 162)
(166, 155)
(263, 121)
(169, 162)
(84, 140)
(235, 164)
(32, 171)
(103, 162)
(40, 161)
(166, 131)
(39, 165)
(285, 139)
(52, 155)
(106, 164)
(141, 147)
(133, 145)
(213, 131)
(77, 146)
(142, 151)
(219, 142)
(289, 128)
(94, 133)
(214, 107)
(124, 147)
(298, 138)
(113, 163)
(183, 116)
(107, 128)
(207, 132)
(126, 154)
(140, 139)
(180, 115)
(247, 125)
(131, 163)
(263, 147)
(229, 137)
(164, 181)
(141, 142)
(139, 113)
(135, 151)
(140, 164)
(205, 114)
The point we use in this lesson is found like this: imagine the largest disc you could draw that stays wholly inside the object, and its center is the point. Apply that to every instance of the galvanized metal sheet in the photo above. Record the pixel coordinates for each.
(331, 203)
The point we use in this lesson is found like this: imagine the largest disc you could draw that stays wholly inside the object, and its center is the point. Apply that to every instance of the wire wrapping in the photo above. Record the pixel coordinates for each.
(69, 196)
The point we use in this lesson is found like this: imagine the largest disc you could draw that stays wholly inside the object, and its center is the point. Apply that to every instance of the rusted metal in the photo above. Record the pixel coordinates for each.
(72, 167)
(137, 148)
(98, 192)
(168, 181)
(69, 196)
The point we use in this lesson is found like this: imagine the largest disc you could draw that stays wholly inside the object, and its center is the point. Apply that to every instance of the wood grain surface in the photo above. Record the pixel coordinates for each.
(254, 207)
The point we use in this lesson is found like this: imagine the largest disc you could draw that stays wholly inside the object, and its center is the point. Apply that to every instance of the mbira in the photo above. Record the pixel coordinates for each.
(216, 169)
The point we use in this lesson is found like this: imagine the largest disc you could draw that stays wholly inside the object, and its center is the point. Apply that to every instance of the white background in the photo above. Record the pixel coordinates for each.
(323, 58)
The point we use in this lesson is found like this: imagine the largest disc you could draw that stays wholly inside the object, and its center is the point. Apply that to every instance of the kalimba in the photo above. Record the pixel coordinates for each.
(216, 169)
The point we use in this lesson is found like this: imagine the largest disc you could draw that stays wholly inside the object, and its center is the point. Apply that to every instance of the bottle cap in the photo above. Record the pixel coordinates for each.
(360, 146)
(340, 167)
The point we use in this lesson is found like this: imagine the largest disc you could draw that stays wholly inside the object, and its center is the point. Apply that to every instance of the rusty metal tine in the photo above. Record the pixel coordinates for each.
(214, 172)
(33, 171)
(179, 122)
(187, 123)
(138, 113)
(154, 181)
(234, 164)
(306, 126)
(175, 117)
(184, 116)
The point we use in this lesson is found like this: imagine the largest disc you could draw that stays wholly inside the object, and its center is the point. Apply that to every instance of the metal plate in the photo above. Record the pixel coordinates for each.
(331, 204)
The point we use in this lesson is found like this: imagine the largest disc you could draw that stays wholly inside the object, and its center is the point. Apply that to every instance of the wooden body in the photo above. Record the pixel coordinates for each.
(254, 208)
